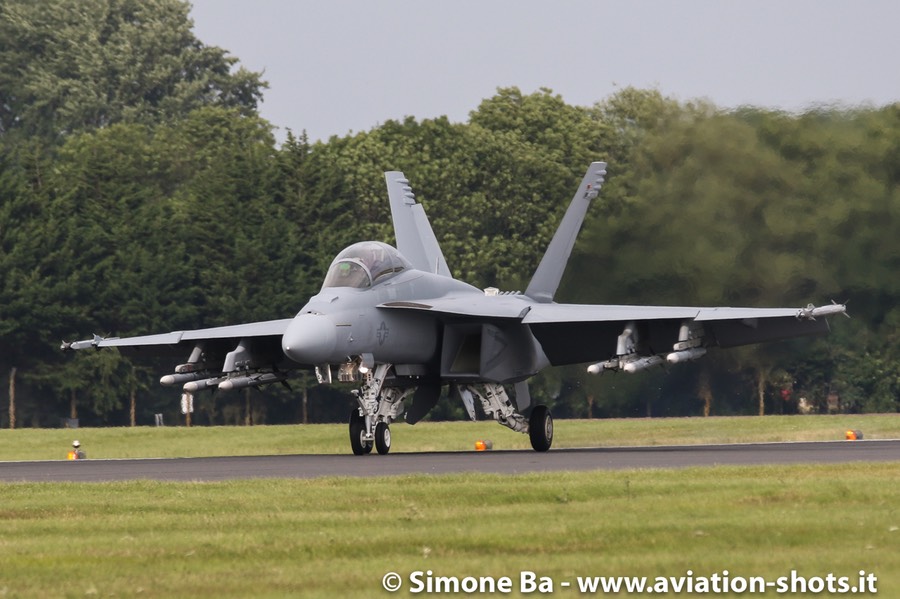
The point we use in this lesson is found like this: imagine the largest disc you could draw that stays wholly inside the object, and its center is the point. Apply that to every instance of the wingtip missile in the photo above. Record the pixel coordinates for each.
(84, 344)
(811, 312)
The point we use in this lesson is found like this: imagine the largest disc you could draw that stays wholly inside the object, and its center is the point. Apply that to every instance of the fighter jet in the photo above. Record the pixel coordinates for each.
(397, 324)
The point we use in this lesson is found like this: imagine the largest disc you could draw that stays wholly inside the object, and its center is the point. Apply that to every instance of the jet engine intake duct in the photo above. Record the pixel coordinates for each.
(502, 353)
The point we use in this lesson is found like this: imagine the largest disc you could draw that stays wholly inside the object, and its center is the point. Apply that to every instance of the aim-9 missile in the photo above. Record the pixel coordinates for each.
(628, 363)
(195, 386)
(642, 363)
(251, 381)
(686, 355)
(601, 367)
(811, 312)
(181, 377)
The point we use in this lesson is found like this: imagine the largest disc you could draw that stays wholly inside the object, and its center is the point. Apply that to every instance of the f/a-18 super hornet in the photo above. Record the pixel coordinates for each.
(395, 322)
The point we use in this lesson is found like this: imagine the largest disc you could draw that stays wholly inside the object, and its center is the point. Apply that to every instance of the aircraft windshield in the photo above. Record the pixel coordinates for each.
(364, 264)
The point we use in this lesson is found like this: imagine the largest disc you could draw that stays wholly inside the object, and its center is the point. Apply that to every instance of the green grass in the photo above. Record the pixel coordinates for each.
(52, 444)
(338, 537)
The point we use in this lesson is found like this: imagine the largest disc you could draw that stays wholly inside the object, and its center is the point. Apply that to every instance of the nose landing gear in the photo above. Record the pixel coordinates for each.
(378, 406)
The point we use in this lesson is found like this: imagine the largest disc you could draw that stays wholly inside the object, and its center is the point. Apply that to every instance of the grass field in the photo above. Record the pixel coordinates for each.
(335, 537)
(338, 537)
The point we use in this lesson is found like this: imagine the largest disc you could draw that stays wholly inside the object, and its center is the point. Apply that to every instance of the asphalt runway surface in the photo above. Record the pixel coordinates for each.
(503, 462)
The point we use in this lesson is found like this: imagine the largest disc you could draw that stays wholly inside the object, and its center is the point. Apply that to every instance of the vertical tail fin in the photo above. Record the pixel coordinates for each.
(415, 238)
(549, 272)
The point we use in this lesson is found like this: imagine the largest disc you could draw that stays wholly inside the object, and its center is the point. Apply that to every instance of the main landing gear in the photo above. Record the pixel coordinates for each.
(378, 406)
(496, 404)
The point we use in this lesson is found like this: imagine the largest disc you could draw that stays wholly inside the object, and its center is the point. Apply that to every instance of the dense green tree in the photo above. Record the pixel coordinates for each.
(751, 208)
(81, 227)
(69, 66)
(147, 229)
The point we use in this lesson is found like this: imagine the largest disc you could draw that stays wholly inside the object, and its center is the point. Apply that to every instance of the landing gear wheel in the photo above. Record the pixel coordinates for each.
(540, 428)
(358, 442)
(382, 438)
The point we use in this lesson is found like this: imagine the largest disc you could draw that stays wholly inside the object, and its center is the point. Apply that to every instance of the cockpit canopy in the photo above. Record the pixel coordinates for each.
(364, 264)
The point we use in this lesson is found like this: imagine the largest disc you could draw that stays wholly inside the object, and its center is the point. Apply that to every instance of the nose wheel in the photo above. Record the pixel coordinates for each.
(358, 442)
(362, 445)
(382, 438)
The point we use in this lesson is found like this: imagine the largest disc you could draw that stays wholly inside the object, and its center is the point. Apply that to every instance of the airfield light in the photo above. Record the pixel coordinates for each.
(480, 445)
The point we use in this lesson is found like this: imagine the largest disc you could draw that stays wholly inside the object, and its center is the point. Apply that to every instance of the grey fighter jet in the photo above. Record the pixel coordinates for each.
(395, 322)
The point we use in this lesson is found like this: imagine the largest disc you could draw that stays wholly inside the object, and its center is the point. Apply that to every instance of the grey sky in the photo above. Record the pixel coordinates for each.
(336, 66)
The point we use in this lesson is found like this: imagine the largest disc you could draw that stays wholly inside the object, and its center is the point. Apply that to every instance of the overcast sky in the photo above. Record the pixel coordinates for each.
(341, 66)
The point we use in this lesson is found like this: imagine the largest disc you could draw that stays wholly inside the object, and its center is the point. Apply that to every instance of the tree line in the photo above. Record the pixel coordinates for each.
(141, 192)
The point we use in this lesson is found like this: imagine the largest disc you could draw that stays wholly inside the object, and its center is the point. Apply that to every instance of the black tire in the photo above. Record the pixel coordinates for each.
(382, 438)
(540, 428)
(357, 434)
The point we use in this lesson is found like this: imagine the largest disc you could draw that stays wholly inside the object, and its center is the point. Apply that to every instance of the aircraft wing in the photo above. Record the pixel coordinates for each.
(584, 333)
(578, 333)
(268, 328)
(211, 353)
(552, 313)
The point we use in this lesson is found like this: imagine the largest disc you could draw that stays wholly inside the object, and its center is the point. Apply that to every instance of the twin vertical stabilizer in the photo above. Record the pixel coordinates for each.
(415, 238)
(549, 272)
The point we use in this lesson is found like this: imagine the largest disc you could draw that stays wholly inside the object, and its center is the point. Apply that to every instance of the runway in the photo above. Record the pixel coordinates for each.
(503, 462)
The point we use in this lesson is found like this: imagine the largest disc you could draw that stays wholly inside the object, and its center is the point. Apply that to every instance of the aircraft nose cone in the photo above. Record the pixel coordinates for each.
(309, 339)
